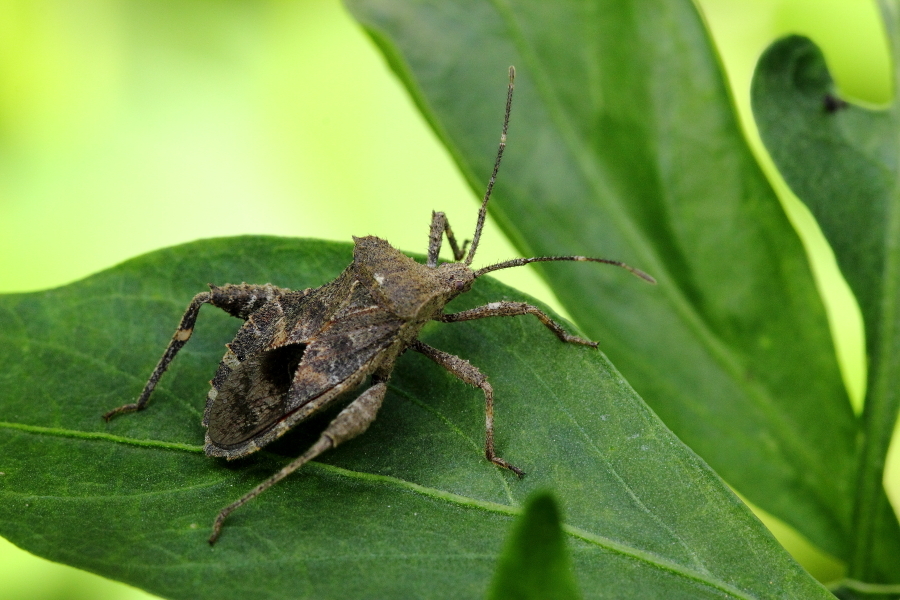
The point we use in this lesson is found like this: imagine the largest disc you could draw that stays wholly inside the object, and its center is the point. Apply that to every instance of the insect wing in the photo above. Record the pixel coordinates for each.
(278, 364)
(251, 398)
(346, 350)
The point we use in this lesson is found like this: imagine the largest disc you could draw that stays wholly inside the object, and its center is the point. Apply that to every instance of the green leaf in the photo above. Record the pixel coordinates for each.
(535, 563)
(624, 144)
(844, 163)
(409, 509)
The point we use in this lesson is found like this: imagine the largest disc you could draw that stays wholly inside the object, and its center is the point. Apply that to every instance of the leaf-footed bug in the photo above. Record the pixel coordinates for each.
(299, 350)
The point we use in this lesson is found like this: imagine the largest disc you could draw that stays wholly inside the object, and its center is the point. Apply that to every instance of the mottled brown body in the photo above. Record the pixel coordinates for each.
(298, 351)
(301, 350)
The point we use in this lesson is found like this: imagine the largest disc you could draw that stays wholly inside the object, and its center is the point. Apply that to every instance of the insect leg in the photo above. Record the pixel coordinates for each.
(470, 374)
(349, 423)
(513, 309)
(237, 300)
(439, 226)
(244, 299)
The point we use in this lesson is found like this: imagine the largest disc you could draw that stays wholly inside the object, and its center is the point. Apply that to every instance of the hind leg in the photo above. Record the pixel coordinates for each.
(349, 423)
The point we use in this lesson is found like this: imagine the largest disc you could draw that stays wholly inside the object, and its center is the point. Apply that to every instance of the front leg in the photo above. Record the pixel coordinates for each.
(439, 226)
(470, 374)
(237, 300)
(514, 309)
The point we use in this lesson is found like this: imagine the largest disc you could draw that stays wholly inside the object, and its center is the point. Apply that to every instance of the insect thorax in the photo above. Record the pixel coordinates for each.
(408, 289)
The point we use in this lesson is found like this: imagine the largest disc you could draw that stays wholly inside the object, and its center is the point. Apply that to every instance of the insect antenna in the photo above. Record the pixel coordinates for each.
(487, 194)
(518, 262)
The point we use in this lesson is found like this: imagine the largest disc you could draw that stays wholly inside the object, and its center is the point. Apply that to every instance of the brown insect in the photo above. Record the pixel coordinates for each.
(299, 350)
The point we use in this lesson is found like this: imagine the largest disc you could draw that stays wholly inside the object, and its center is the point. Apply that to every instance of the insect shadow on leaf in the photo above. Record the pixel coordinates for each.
(298, 351)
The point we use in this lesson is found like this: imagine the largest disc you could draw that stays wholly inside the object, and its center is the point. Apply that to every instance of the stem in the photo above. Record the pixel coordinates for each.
(872, 511)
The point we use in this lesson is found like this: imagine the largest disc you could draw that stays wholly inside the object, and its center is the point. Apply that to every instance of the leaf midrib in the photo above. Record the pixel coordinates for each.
(653, 560)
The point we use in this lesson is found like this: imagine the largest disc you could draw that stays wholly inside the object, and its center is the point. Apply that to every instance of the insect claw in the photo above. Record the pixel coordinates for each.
(122, 409)
(217, 529)
(502, 463)
(574, 339)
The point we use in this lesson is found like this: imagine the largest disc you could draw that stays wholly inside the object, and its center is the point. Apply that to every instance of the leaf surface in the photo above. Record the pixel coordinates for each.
(624, 144)
(408, 509)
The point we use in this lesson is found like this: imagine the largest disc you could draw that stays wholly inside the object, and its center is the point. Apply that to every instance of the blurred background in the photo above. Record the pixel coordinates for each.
(131, 126)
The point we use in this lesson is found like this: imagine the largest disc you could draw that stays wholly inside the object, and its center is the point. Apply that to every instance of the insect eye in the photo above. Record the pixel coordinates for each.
(460, 285)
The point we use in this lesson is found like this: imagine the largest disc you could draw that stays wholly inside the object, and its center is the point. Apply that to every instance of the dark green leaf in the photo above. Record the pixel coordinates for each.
(409, 509)
(843, 161)
(624, 144)
(535, 564)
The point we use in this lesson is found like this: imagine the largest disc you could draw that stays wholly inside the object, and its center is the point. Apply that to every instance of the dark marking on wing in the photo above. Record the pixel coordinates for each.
(253, 395)
(284, 358)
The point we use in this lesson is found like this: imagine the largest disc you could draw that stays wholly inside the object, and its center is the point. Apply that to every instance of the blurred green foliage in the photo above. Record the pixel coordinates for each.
(126, 127)
(535, 564)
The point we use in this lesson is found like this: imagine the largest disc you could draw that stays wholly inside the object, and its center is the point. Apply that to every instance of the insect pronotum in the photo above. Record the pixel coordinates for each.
(298, 351)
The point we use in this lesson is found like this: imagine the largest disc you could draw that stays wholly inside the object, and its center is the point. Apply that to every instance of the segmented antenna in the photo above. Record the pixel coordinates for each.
(487, 194)
(518, 262)
(482, 213)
